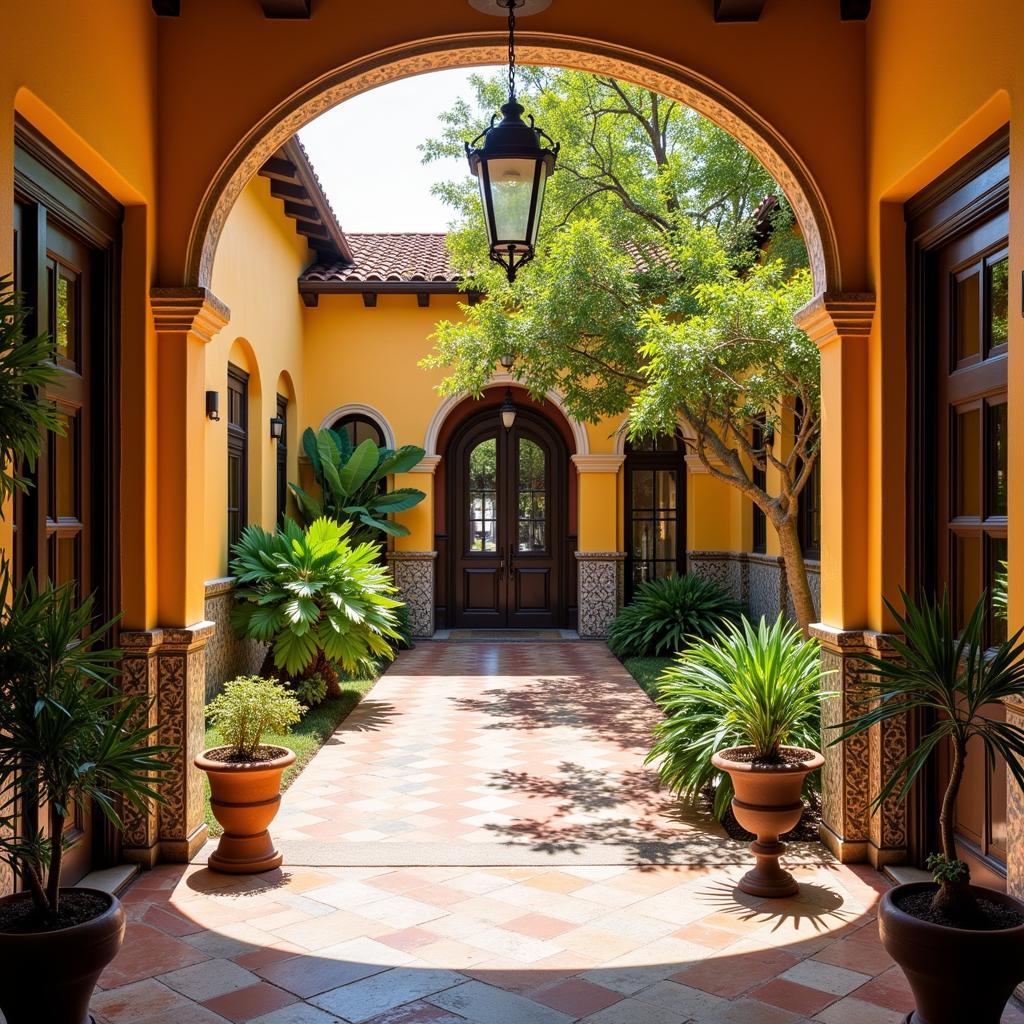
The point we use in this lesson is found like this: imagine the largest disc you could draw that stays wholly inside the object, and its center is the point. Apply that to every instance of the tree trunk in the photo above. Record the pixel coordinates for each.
(56, 860)
(796, 571)
(947, 814)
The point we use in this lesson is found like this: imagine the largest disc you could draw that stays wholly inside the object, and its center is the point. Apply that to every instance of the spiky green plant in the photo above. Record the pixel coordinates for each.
(666, 612)
(746, 686)
(957, 681)
(312, 591)
(26, 369)
(351, 483)
(68, 738)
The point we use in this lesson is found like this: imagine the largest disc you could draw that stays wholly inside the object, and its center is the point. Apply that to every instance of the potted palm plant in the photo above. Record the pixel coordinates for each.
(746, 703)
(245, 775)
(68, 741)
(960, 945)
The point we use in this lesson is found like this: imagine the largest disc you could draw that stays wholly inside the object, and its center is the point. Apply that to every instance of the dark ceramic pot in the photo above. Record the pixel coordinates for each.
(956, 974)
(767, 803)
(245, 798)
(50, 976)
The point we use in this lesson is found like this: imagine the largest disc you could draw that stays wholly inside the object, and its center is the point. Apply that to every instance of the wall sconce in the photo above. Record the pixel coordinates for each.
(276, 428)
(213, 405)
(507, 360)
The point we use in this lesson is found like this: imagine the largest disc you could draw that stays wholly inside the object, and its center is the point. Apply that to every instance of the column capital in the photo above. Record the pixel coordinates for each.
(428, 464)
(600, 463)
(193, 310)
(836, 314)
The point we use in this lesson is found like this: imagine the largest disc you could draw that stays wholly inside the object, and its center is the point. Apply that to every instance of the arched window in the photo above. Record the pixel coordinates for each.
(655, 509)
(359, 428)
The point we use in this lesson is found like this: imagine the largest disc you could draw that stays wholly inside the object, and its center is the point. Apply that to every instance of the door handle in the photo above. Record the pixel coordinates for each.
(501, 563)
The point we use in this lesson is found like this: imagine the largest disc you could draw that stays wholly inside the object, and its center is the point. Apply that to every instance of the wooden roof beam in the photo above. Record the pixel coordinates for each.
(854, 10)
(167, 8)
(294, 9)
(738, 10)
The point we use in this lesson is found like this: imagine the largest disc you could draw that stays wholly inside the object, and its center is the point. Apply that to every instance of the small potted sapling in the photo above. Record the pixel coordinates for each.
(960, 945)
(745, 703)
(244, 774)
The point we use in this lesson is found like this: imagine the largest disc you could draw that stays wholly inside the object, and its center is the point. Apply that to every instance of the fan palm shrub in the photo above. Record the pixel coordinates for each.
(665, 612)
(747, 685)
(352, 484)
(313, 596)
(68, 739)
(956, 681)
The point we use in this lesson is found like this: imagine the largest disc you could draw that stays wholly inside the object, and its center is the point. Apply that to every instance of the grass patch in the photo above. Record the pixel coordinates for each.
(646, 671)
(305, 739)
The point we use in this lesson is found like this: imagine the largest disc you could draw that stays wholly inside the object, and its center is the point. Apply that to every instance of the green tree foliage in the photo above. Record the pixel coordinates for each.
(650, 296)
(249, 707)
(311, 591)
(351, 481)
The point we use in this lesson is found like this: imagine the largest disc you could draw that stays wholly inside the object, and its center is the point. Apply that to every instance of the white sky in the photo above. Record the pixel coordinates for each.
(364, 151)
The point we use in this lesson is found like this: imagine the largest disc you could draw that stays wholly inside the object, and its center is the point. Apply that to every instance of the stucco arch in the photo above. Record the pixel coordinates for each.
(445, 409)
(359, 409)
(671, 79)
(623, 429)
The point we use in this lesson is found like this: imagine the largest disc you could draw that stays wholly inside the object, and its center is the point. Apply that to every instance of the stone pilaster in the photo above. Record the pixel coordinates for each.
(601, 584)
(414, 577)
(854, 769)
(140, 838)
(181, 684)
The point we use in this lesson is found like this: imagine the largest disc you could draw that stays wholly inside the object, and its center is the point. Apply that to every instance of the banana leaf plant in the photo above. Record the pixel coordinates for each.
(353, 484)
(958, 682)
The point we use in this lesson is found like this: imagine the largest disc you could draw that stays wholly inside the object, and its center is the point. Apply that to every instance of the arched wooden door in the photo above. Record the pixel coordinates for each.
(508, 506)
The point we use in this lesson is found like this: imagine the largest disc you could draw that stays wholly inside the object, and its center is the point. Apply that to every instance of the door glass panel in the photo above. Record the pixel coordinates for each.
(968, 442)
(997, 460)
(64, 452)
(968, 306)
(666, 484)
(483, 496)
(66, 318)
(998, 584)
(67, 559)
(969, 575)
(643, 489)
(532, 527)
(998, 302)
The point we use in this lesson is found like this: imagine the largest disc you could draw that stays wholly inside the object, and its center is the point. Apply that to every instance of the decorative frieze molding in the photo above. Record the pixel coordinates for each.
(601, 583)
(414, 577)
(601, 463)
(188, 310)
(836, 315)
(428, 464)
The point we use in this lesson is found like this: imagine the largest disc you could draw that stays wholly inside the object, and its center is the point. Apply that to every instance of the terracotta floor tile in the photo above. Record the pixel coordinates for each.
(791, 996)
(247, 1003)
(147, 952)
(539, 926)
(576, 997)
(890, 990)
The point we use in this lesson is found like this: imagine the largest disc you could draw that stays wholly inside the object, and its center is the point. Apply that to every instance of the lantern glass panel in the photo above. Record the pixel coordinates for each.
(511, 186)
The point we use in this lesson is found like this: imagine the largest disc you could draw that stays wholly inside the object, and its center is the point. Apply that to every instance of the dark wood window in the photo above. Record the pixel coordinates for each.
(282, 458)
(759, 521)
(808, 522)
(655, 510)
(360, 428)
(238, 452)
(67, 236)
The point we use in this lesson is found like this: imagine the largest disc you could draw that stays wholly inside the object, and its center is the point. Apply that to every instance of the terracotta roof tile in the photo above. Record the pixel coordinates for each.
(389, 256)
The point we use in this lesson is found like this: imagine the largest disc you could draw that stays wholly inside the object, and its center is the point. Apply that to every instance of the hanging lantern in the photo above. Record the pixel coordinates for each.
(508, 410)
(512, 167)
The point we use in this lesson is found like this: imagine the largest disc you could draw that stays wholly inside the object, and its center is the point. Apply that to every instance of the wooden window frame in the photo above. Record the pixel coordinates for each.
(238, 448)
(759, 477)
(808, 514)
(282, 459)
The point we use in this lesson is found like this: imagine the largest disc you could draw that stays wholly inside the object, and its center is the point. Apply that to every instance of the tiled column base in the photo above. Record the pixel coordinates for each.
(854, 769)
(601, 581)
(170, 664)
(1015, 823)
(414, 577)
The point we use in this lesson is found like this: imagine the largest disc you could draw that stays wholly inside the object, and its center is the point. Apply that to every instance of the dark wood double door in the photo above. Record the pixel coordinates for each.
(508, 491)
(960, 311)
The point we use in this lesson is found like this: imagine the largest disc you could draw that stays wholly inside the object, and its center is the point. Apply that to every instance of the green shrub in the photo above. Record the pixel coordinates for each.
(665, 612)
(310, 690)
(249, 707)
(352, 483)
(747, 686)
(404, 627)
(311, 593)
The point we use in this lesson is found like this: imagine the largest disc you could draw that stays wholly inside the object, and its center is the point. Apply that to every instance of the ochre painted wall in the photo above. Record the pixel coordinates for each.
(260, 259)
(84, 74)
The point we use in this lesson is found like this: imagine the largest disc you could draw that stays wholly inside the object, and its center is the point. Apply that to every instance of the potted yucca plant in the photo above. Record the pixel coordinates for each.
(960, 945)
(245, 775)
(757, 691)
(68, 740)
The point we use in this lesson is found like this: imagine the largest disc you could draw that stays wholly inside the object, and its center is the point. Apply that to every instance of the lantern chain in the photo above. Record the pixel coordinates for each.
(512, 50)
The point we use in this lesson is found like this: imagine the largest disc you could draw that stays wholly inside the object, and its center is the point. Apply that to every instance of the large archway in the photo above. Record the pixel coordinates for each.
(673, 80)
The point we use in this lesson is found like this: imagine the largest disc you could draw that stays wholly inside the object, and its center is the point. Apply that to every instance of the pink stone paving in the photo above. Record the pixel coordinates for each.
(467, 747)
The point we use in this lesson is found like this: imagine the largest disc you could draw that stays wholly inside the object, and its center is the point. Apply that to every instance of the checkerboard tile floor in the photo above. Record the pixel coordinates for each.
(470, 744)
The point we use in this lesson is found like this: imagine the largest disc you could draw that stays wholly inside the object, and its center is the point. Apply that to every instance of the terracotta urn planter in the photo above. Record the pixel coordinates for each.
(767, 803)
(956, 974)
(245, 797)
(50, 976)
